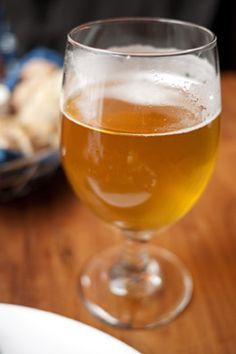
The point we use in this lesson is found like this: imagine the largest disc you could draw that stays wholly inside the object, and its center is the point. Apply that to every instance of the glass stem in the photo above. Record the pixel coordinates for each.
(135, 254)
(134, 273)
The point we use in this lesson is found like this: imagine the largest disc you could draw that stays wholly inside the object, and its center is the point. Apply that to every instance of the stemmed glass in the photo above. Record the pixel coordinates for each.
(140, 127)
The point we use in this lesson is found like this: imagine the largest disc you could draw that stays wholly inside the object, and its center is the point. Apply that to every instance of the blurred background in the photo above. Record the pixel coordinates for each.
(46, 22)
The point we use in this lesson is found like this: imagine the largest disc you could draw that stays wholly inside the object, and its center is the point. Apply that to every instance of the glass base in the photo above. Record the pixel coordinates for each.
(125, 298)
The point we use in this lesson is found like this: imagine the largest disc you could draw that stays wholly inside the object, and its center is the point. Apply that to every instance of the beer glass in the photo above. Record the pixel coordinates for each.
(140, 126)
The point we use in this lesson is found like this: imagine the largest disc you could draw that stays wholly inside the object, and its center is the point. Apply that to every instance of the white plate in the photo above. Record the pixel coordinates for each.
(25, 330)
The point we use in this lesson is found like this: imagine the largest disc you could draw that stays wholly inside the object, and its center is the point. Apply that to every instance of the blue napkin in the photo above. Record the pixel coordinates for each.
(37, 53)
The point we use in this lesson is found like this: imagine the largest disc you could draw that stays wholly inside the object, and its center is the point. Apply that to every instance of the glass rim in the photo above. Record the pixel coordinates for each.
(210, 44)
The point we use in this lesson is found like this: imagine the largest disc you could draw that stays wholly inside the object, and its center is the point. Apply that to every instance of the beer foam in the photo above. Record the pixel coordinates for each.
(186, 80)
(141, 89)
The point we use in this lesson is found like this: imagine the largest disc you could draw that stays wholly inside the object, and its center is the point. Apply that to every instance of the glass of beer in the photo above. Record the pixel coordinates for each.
(140, 128)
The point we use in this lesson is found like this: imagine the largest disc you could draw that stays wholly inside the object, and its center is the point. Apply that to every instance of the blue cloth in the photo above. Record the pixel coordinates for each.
(37, 53)
(9, 155)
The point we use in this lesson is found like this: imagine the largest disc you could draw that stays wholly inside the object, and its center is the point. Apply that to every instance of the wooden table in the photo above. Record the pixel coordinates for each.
(45, 239)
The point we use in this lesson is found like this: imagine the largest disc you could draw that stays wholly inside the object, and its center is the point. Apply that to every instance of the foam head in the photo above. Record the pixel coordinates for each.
(185, 80)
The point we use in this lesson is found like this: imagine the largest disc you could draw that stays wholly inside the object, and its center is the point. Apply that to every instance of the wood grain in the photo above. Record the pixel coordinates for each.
(46, 237)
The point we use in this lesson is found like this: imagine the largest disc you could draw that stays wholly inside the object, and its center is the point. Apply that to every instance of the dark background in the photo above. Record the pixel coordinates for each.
(46, 22)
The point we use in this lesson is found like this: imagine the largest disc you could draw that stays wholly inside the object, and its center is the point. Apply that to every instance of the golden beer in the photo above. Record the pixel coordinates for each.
(138, 166)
